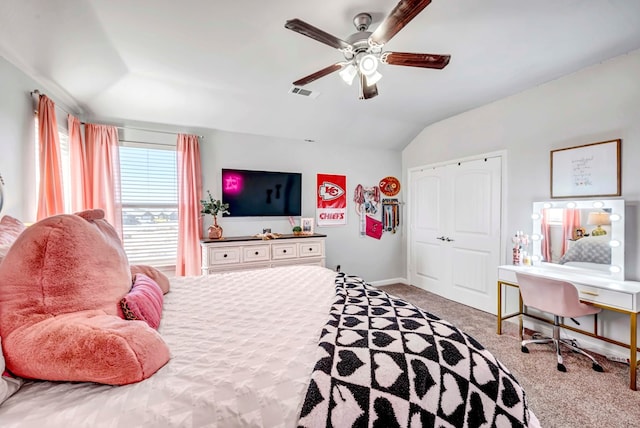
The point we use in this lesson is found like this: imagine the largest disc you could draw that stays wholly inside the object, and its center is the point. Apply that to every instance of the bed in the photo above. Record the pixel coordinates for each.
(261, 348)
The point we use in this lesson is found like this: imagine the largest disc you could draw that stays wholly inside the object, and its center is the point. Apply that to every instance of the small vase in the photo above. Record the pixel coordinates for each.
(214, 231)
(517, 260)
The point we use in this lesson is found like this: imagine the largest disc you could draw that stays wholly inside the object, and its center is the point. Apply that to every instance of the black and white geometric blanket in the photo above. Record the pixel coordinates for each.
(387, 363)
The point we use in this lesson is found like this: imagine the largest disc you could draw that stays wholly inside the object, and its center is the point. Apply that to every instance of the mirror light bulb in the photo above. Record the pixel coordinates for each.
(614, 243)
(615, 217)
(598, 204)
(615, 269)
(535, 216)
(571, 205)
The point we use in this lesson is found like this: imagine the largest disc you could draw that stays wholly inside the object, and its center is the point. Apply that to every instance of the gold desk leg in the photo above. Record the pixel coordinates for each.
(520, 318)
(633, 363)
(499, 307)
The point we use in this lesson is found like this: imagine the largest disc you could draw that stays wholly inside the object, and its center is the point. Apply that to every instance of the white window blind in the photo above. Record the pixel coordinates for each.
(149, 203)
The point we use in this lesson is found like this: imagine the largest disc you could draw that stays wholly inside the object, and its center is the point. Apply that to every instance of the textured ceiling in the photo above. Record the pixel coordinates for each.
(229, 64)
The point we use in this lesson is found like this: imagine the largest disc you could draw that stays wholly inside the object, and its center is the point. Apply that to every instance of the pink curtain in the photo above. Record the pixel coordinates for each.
(546, 237)
(570, 220)
(102, 183)
(189, 192)
(80, 196)
(51, 192)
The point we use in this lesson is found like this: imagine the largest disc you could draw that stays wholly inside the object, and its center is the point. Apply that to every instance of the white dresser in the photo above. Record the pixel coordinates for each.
(248, 252)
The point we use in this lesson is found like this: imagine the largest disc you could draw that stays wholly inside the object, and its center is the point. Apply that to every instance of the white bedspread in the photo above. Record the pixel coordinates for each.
(243, 346)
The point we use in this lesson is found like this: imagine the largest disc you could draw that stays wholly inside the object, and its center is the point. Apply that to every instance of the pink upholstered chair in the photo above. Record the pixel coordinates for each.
(561, 299)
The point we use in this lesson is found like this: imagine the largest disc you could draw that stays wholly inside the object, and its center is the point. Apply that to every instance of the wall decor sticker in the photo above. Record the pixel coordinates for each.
(389, 186)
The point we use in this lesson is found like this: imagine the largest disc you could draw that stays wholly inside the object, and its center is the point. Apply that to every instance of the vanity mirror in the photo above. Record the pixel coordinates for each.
(587, 235)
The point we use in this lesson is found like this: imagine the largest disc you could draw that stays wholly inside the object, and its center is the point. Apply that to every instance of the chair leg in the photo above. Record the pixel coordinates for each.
(595, 365)
(560, 365)
(557, 341)
(570, 343)
(524, 343)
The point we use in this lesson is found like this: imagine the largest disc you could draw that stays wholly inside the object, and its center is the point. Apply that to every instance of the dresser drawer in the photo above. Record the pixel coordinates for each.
(506, 275)
(223, 256)
(241, 266)
(310, 249)
(284, 251)
(616, 299)
(257, 253)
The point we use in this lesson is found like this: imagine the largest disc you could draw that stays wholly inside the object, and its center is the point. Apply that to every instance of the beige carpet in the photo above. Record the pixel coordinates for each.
(580, 397)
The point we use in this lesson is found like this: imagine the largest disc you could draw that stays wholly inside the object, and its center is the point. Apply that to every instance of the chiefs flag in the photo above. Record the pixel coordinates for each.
(332, 200)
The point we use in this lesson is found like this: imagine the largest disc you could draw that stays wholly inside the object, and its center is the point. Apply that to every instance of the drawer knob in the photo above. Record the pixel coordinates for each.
(310, 249)
(225, 255)
(256, 253)
(284, 251)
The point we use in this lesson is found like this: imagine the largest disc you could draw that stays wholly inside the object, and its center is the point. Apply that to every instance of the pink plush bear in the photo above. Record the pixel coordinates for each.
(61, 283)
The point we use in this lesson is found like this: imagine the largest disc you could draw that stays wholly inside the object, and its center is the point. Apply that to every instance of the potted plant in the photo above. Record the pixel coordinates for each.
(214, 207)
(297, 230)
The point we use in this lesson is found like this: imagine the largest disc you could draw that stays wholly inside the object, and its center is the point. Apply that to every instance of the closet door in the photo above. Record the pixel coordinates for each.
(427, 260)
(455, 231)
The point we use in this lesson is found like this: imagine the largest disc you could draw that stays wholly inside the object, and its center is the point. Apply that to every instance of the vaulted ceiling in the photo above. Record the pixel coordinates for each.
(229, 65)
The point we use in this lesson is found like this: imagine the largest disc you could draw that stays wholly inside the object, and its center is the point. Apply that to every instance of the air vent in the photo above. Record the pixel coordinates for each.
(303, 92)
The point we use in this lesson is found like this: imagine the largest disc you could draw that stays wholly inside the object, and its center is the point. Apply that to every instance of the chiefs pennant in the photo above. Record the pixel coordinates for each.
(331, 197)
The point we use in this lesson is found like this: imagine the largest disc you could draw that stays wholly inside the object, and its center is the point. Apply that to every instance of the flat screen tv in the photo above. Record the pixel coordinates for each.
(261, 193)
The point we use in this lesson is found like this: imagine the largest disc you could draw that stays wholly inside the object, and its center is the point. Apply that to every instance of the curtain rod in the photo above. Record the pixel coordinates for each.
(124, 128)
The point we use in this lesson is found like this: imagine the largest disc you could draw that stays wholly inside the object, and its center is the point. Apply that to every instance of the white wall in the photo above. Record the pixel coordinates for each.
(17, 141)
(596, 104)
(372, 259)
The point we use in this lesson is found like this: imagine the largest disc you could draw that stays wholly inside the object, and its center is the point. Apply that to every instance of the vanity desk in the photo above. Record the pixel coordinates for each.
(608, 294)
(593, 260)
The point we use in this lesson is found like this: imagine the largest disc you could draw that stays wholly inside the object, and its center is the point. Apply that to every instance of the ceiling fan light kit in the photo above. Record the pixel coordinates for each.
(363, 50)
(368, 64)
(348, 73)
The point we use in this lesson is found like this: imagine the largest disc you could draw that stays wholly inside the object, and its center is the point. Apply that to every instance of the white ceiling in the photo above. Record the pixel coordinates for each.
(229, 65)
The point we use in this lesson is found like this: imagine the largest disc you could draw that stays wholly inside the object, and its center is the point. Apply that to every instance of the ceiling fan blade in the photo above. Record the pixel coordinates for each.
(367, 91)
(318, 74)
(400, 16)
(415, 59)
(315, 33)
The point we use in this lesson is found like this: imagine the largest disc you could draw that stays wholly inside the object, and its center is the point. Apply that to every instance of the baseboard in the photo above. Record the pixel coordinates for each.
(389, 282)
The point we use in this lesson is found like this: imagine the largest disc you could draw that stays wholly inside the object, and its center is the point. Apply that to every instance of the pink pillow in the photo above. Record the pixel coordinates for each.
(153, 273)
(10, 229)
(144, 301)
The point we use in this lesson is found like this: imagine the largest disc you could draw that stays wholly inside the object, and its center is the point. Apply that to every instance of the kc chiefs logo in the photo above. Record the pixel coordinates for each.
(329, 191)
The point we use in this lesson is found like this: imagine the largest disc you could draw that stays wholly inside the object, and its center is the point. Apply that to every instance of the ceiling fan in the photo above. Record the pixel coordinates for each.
(363, 50)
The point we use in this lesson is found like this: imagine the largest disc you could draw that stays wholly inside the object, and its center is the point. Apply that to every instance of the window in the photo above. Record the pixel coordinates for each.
(554, 215)
(149, 189)
(149, 203)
